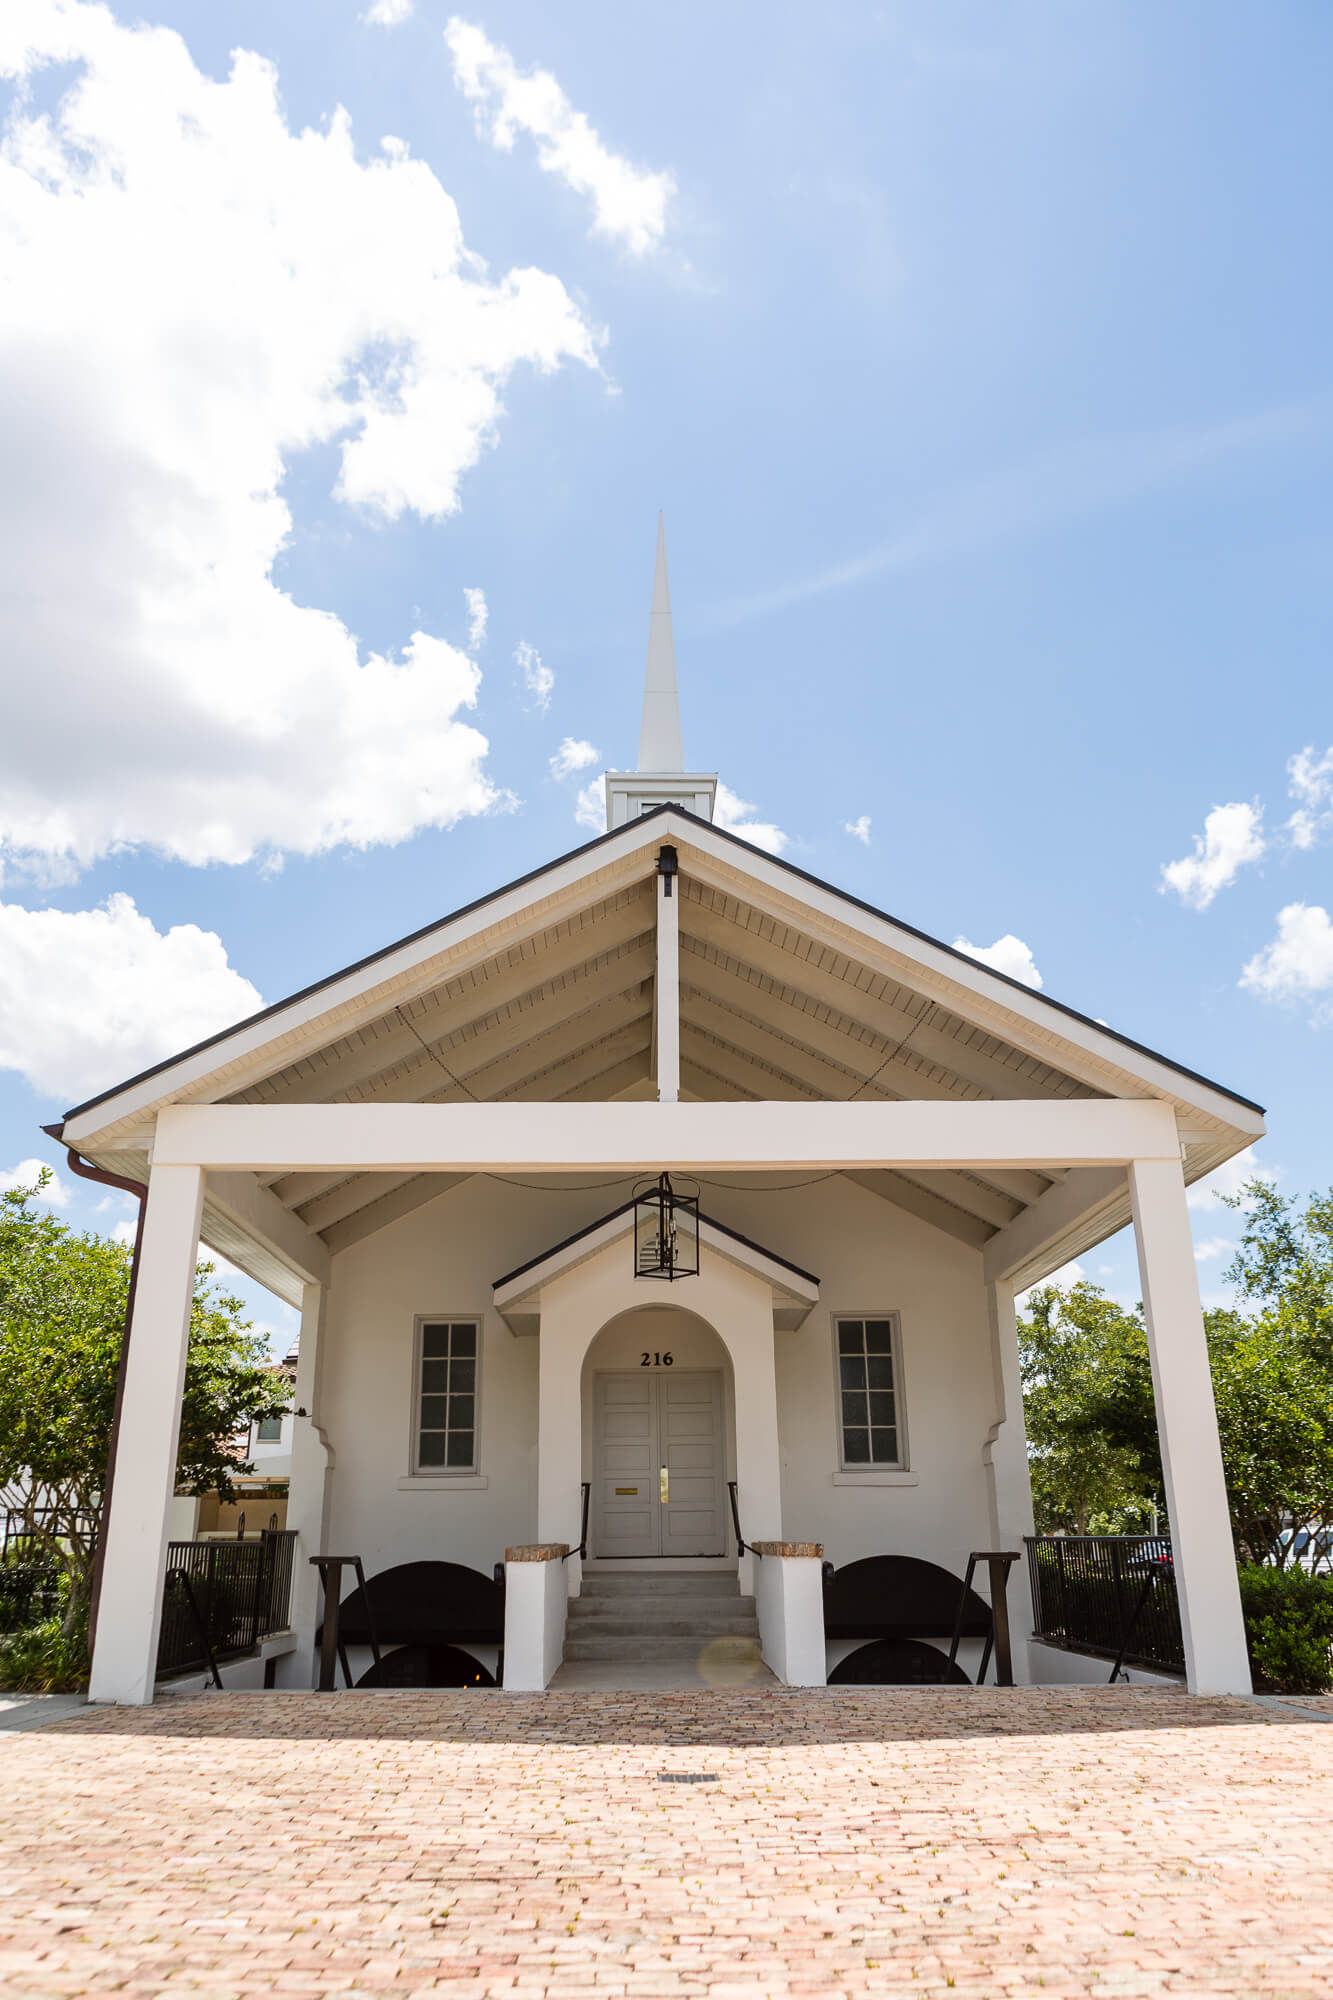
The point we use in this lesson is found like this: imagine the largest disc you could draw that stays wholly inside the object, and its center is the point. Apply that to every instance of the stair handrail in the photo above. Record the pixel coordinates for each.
(743, 1548)
(582, 1550)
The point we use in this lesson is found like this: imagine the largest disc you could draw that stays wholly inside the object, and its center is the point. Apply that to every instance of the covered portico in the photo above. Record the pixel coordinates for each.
(1136, 1144)
(666, 999)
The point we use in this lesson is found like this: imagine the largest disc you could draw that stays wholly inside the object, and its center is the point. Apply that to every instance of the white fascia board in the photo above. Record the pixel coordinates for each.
(361, 995)
(1025, 1019)
(629, 1138)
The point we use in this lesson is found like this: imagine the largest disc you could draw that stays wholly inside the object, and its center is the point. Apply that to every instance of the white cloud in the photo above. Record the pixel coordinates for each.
(1211, 1247)
(1298, 963)
(56, 1194)
(1310, 779)
(859, 829)
(1208, 1195)
(388, 13)
(1007, 954)
(574, 754)
(1232, 836)
(629, 203)
(537, 679)
(736, 815)
(194, 295)
(89, 997)
(477, 615)
(590, 807)
(125, 1232)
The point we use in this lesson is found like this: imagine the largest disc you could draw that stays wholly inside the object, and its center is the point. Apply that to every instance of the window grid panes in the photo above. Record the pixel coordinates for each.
(447, 1413)
(868, 1392)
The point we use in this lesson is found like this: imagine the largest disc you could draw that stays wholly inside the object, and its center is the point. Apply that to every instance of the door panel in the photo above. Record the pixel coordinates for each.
(690, 1433)
(646, 1423)
(625, 1481)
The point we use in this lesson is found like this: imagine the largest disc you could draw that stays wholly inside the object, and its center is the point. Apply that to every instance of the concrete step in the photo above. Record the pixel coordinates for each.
(646, 1609)
(625, 1650)
(715, 1626)
(671, 1583)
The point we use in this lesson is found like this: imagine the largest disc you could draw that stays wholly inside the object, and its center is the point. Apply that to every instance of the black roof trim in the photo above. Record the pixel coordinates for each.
(624, 1209)
(588, 847)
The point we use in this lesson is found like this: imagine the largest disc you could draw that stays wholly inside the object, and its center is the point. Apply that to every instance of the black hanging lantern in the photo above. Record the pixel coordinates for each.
(666, 1231)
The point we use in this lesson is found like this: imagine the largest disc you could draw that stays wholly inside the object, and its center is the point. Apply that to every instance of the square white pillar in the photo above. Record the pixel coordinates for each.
(308, 1496)
(130, 1610)
(1008, 1477)
(1216, 1661)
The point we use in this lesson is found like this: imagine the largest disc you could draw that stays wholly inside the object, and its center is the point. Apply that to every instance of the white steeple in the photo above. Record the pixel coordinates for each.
(661, 778)
(660, 747)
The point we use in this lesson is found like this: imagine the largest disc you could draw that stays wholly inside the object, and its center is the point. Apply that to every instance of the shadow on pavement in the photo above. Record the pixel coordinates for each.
(767, 1718)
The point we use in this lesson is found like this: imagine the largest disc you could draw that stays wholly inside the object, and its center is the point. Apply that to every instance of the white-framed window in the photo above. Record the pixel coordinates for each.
(867, 1363)
(444, 1418)
(269, 1430)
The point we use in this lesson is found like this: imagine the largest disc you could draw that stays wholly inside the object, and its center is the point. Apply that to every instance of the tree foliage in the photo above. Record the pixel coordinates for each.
(1285, 1264)
(1083, 1481)
(1092, 1423)
(62, 1312)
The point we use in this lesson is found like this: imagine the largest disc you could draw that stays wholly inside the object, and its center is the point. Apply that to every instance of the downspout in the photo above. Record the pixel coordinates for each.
(88, 1172)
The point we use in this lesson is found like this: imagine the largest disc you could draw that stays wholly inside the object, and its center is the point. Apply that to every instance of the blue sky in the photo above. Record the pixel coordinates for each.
(978, 358)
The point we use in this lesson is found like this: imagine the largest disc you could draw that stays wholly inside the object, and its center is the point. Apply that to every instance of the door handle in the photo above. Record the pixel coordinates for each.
(664, 1485)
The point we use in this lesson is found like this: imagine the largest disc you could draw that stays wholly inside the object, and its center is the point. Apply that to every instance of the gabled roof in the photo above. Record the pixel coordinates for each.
(517, 1295)
(543, 990)
(534, 875)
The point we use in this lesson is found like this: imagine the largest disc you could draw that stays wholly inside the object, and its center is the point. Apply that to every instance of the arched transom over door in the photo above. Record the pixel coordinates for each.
(659, 1465)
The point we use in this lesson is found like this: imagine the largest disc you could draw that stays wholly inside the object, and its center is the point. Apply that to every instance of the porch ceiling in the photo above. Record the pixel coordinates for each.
(566, 1013)
(780, 998)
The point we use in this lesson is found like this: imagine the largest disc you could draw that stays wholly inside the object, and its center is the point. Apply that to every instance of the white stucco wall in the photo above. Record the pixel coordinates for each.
(872, 1257)
(443, 1259)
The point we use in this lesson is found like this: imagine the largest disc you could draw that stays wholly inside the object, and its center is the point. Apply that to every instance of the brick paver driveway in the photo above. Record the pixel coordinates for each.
(855, 1841)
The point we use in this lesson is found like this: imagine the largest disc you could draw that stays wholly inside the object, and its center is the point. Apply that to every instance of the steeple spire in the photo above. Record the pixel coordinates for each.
(660, 747)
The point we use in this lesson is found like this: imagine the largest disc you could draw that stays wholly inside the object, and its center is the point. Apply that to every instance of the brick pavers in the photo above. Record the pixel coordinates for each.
(915, 1841)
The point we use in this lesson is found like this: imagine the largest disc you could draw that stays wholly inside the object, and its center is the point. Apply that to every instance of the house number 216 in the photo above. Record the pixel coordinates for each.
(667, 1360)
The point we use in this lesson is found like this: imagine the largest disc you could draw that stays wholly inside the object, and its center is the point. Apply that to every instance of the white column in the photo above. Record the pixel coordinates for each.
(666, 989)
(564, 1340)
(130, 1612)
(1008, 1479)
(308, 1499)
(747, 1328)
(1205, 1562)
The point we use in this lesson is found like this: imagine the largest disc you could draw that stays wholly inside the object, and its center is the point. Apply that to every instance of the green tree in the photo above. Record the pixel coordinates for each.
(1083, 1480)
(1273, 1417)
(1285, 1263)
(62, 1311)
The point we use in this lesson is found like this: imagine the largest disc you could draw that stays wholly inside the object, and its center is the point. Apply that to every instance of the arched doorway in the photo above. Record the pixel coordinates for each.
(658, 1420)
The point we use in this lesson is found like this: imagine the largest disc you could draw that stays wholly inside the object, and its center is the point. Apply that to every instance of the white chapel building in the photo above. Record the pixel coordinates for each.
(871, 1142)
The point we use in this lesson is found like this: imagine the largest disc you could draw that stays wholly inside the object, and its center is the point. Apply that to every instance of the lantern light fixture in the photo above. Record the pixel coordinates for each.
(666, 1230)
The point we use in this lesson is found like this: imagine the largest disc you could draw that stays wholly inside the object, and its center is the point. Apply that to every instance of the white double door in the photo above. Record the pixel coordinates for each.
(659, 1479)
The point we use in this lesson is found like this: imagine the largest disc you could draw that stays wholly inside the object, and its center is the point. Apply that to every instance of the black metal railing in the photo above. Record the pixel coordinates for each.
(26, 1531)
(582, 1550)
(29, 1593)
(1110, 1595)
(742, 1546)
(222, 1598)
